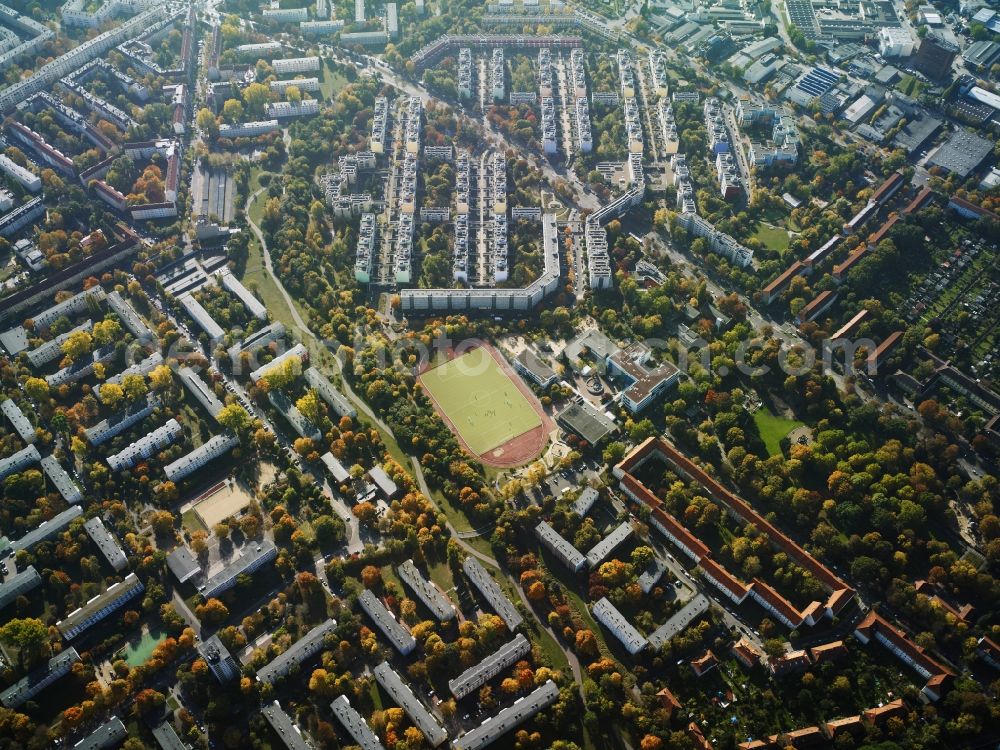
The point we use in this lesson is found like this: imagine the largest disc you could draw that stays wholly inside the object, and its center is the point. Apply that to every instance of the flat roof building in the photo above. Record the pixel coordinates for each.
(183, 564)
(102, 605)
(608, 615)
(329, 393)
(201, 316)
(422, 719)
(201, 391)
(189, 463)
(351, 720)
(427, 592)
(296, 351)
(146, 446)
(250, 561)
(679, 621)
(21, 424)
(167, 738)
(106, 543)
(962, 153)
(491, 591)
(306, 647)
(39, 678)
(20, 583)
(509, 718)
(609, 544)
(285, 728)
(17, 461)
(583, 419)
(219, 660)
(569, 555)
(47, 529)
(585, 501)
(110, 734)
(398, 635)
(479, 674)
(61, 480)
(532, 367)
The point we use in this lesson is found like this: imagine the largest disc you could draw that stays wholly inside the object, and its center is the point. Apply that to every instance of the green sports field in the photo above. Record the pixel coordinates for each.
(482, 402)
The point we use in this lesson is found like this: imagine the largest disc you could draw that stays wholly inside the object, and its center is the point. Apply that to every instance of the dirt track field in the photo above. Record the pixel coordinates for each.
(490, 409)
(229, 500)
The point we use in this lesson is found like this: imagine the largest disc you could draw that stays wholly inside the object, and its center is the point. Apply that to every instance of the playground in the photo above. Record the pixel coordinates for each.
(494, 415)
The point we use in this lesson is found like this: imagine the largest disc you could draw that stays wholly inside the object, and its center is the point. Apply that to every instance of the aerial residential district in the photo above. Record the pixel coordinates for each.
(525, 374)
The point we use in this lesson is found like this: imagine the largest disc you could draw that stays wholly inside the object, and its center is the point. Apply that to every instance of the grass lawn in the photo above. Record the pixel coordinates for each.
(330, 83)
(483, 404)
(774, 238)
(191, 521)
(772, 429)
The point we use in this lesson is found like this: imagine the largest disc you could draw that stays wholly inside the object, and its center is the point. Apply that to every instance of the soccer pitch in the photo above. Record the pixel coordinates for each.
(482, 403)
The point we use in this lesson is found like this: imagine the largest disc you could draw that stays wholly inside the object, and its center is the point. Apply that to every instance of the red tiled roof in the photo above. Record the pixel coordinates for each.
(886, 187)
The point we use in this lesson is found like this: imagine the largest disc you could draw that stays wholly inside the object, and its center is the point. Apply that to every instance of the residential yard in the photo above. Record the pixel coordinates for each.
(774, 238)
(773, 428)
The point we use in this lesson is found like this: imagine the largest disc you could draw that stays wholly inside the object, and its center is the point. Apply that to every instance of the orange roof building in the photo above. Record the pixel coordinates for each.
(704, 663)
(874, 626)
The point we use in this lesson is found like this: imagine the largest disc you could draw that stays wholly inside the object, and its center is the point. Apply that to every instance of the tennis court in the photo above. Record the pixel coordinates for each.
(480, 400)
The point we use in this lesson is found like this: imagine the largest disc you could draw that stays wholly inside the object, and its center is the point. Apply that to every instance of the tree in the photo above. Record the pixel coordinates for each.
(310, 406)
(77, 344)
(256, 97)
(232, 111)
(107, 332)
(212, 612)
(328, 530)
(371, 576)
(112, 395)
(161, 378)
(29, 637)
(134, 386)
(206, 122)
(586, 642)
(235, 418)
(37, 389)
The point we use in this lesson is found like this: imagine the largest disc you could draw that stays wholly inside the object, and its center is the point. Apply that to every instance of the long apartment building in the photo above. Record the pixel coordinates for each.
(61, 480)
(426, 591)
(106, 543)
(492, 299)
(44, 77)
(874, 626)
(26, 36)
(39, 678)
(491, 591)
(609, 544)
(498, 86)
(509, 718)
(465, 73)
(336, 400)
(839, 592)
(659, 81)
(299, 652)
(353, 722)
(610, 617)
(21, 424)
(403, 696)
(561, 547)
(719, 242)
(298, 351)
(398, 635)
(492, 666)
(19, 584)
(544, 72)
(250, 561)
(414, 133)
(102, 605)
(380, 125)
(146, 446)
(47, 529)
(549, 139)
(364, 259)
(295, 65)
(213, 448)
(113, 426)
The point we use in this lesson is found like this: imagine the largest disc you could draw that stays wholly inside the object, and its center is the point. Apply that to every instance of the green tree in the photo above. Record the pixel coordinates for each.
(29, 637)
